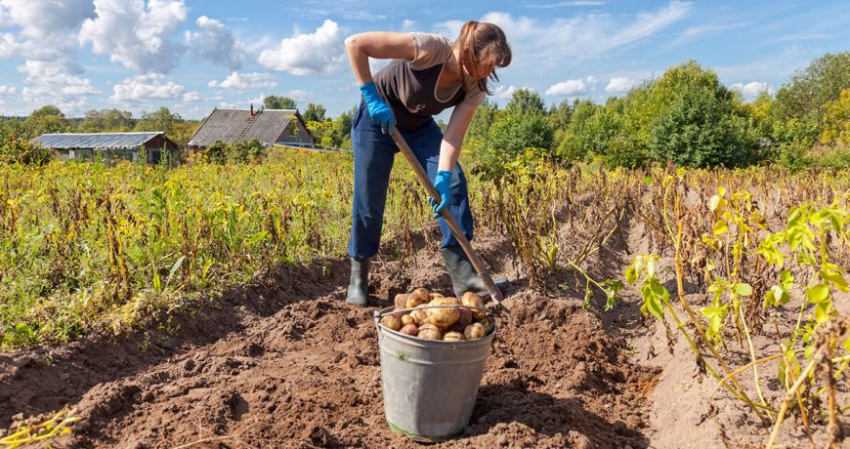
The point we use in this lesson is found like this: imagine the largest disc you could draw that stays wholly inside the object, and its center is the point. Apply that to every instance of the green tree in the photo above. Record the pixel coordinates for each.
(279, 102)
(836, 120)
(513, 133)
(217, 153)
(525, 101)
(479, 128)
(45, 120)
(809, 90)
(161, 120)
(314, 113)
(699, 130)
(106, 120)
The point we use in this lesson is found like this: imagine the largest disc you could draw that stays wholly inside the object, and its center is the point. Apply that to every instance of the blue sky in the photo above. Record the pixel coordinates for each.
(192, 55)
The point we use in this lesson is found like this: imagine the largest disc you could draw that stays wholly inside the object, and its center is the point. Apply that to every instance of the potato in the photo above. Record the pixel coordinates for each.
(464, 320)
(444, 317)
(487, 325)
(410, 329)
(391, 322)
(429, 332)
(420, 316)
(401, 301)
(470, 299)
(415, 301)
(435, 295)
(474, 331)
(406, 319)
(421, 293)
(453, 336)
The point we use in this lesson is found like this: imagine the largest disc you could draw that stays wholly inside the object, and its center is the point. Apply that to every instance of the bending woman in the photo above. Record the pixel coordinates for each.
(428, 74)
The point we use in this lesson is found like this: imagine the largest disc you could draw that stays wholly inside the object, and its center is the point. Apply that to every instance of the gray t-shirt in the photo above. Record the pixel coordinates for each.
(410, 86)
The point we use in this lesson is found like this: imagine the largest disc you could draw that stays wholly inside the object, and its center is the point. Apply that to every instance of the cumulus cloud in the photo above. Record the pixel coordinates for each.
(568, 88)
(136, 35)
(408, 24)
(216, 44)
(7, 90)
(246, 81)
(563, 4)
(504, 92)
(40, 18)
(620, 85)
(307, 54)
(752, 90)
(144, 87)
(298, 95)
(47, 82)
(191, 97)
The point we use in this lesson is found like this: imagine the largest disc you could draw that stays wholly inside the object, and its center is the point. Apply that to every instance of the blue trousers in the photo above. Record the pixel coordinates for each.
(373, 160)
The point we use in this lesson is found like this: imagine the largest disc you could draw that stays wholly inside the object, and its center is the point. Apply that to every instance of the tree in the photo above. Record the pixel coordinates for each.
(836, 120)
(279, 102)
(698, 130)
(314, 113)
(481, 122)
(513, 133)
(821, 82)
(525, 101)
(107, 120)
(162, 120)
(45, 120)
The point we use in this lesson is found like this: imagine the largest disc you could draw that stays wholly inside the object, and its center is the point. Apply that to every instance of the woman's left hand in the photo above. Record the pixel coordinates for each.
(442, 183)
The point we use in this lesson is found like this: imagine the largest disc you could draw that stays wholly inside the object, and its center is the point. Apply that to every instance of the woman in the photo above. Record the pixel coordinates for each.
(428, 74)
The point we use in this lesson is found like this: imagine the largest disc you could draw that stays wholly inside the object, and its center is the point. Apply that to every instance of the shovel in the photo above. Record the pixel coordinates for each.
(477, 263)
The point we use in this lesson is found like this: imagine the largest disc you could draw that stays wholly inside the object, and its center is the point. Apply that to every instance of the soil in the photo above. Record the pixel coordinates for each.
(288, 363)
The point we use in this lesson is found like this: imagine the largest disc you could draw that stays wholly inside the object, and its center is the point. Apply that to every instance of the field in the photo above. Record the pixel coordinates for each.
(205, 304)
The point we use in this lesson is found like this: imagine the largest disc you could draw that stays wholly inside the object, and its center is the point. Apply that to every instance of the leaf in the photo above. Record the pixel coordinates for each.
(174, 269)
(659, 291)
(721, 191)
(822, 311)
(720, 227)
(713, 203)
(835, 277)
(647, 180)
(817, 293)
(743, 289)
(631, 274)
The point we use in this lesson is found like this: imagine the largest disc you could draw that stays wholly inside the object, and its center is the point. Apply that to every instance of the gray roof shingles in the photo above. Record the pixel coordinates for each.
(122, 141)
(232, 125)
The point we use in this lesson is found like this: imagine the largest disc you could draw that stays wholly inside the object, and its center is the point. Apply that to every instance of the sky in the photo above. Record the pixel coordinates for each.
(192, 56)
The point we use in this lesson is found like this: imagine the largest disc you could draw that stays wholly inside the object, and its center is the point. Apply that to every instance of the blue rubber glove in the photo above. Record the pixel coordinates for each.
(378, 109)
(442, 183)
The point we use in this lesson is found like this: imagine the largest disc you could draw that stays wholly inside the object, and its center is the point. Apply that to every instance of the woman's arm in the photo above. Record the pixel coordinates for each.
(379, 45)
(453, 137)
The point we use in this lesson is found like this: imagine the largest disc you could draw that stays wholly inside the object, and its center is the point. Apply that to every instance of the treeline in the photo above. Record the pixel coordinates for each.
(686, 116)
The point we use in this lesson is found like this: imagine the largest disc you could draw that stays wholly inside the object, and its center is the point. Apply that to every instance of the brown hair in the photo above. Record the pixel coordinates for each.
(484, 43)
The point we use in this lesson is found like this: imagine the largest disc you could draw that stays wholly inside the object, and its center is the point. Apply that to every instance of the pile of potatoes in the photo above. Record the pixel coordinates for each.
(446, 324)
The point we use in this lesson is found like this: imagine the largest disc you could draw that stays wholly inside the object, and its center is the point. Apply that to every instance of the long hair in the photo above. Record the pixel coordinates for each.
(483, 43)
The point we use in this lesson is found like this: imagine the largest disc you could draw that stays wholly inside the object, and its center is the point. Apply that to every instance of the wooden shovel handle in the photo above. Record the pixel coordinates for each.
(477, 263)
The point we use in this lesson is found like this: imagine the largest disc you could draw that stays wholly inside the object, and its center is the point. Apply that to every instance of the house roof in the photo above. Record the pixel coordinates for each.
(122, 141)
(238, 125)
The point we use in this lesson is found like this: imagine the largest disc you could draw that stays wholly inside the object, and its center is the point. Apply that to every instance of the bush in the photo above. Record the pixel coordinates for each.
(19, 151)
(216, 153)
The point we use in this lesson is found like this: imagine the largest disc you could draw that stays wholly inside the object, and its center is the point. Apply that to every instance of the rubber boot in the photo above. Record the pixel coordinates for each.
(464, 277)
(359, 286)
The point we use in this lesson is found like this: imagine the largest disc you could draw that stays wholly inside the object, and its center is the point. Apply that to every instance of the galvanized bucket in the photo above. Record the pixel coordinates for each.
(429, 386)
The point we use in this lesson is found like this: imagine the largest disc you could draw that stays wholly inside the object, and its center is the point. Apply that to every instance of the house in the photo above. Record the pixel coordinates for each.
(151, 146)
(269, 126)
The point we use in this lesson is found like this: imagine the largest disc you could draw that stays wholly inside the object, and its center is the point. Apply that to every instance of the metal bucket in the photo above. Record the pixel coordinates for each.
(429, 386)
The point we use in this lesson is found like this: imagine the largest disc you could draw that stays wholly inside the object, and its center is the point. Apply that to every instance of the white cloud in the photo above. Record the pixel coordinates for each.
(568, 88)
(620, 85)
(7, 90)
(752, 90)
(216, 44)
(135, 35)
(407, 24)
(246, 81)
(298, 95)
(504, 92)
(307, 54)
(191, 97)
(49, 83)
(40, 18)
(592, 81)
(574, 39)
(143, 87)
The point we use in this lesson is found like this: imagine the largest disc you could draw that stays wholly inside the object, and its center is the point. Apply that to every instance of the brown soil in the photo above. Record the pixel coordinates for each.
(288, 363)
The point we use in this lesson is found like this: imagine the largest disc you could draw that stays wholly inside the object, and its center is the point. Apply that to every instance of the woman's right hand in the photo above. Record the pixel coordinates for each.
(379, 110)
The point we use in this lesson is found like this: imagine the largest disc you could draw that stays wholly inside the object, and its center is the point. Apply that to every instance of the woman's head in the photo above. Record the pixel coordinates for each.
(482, 48)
